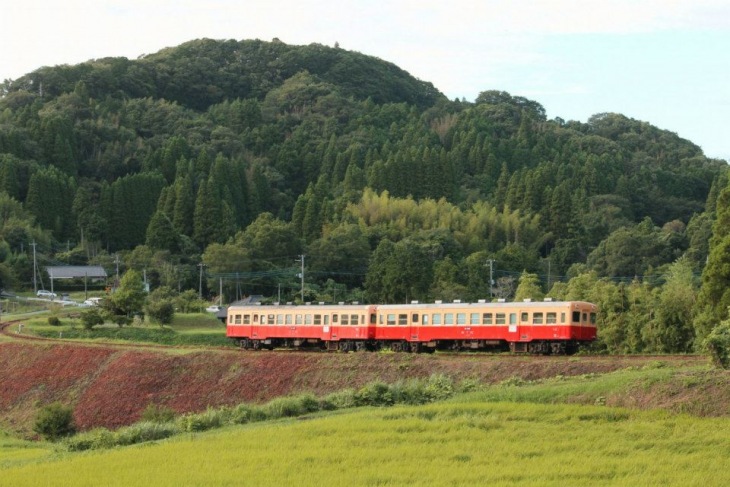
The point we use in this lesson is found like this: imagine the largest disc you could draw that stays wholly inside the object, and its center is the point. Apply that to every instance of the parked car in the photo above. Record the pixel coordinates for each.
(213, 308)
(42, 293)
(93, 302)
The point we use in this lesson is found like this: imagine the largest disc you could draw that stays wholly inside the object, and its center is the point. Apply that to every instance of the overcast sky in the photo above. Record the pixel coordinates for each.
(666, 62)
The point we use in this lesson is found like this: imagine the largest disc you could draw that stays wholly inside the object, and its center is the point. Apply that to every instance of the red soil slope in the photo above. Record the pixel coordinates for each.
(111, 386)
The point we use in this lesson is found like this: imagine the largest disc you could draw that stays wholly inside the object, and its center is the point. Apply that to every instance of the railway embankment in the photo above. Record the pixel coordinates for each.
(110, 386)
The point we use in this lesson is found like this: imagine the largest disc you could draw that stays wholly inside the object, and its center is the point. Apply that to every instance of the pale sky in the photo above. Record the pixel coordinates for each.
(666, 62)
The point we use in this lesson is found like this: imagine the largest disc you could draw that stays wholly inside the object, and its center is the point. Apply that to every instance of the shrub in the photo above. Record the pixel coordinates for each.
(717, 345)
(243, 413)
(439, 387)
(91, 440)
(54, 422)
(211, 418)
(91, 318)
(374, 394)
(291, 406)
(54, 321)
(340, 400)
(158, 414)
(145, 431)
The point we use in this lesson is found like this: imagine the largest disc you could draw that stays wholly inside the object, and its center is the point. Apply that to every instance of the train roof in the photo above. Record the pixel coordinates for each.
(454, 305)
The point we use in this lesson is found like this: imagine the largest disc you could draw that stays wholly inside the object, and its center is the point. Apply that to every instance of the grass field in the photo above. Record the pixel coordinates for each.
(186, 330)
(463, 442)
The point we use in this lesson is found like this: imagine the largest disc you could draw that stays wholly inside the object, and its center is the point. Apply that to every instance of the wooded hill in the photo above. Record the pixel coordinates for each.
(246, 154)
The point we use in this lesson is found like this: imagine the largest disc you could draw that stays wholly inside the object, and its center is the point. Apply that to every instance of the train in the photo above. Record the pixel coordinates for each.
(534, 327)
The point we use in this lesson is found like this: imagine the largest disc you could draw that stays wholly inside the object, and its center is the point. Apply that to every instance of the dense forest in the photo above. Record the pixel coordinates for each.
(249, 162)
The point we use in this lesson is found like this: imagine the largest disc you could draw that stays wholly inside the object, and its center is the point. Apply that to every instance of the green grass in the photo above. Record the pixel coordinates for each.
(15, 452)
(194, 329)
(466, 442)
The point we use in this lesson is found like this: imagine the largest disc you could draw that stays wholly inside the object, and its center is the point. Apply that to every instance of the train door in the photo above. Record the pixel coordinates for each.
(414, 325)
(525, 327)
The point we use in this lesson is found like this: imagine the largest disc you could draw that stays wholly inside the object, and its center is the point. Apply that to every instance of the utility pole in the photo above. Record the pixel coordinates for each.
(35, 270)
(220, 291)
(301, 258)
(116, 262)
(200, 281)
(491, 274)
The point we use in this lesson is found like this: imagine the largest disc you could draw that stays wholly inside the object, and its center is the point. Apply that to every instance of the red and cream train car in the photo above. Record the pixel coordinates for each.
(534, 327)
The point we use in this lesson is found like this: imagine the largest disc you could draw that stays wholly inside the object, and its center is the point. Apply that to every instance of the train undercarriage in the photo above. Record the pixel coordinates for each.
(537, 347)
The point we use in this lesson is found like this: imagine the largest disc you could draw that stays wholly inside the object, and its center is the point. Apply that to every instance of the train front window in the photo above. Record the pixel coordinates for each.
(585, 318)
(576, 316)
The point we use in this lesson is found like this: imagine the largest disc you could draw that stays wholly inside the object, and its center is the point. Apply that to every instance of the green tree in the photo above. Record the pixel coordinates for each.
(529, 288)
(54, 421)
(129, 298)
(160, 306)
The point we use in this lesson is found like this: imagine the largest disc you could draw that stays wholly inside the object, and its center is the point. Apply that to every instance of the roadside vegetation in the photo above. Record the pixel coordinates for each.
(428, 432)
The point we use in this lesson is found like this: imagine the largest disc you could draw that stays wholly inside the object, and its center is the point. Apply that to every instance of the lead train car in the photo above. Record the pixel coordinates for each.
(534, 327)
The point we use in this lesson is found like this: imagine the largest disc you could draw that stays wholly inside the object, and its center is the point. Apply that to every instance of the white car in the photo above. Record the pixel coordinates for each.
(42, 293)
(93, 302)
(213, 308)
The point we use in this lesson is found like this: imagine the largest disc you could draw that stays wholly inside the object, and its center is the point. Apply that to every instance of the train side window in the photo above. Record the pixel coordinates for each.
(593, 318)
(353, 319)
(344, 320)
(271, 320)
(461, 318)
(425, 320)
(576, 316)
(334, 319)
(391, 319)
(288, 319)
(246, 319)
(448, 318)
(562, 317)
(474, 319)
(298, 319)
(402, 319)
(317, 319)
(437, 318)
(550, 318)
(238, 319)
(263, 319)
(279, 319)
(307, 319)
(513, 318)
(537, 318)
(487, 319)
(500, 319)
(414, 318)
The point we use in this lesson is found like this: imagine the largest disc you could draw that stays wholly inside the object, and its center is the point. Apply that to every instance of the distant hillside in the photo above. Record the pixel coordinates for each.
(204, 72)
(248, 154)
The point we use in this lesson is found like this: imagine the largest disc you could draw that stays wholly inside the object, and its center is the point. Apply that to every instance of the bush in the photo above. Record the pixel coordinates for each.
(291, 406)
(91, 440)
(340, 400)
(54, 321)
(243, 413)
(157, 414)
(145, 431)
(91, 318)
(54, 422)
(211, 418)
(717, 345)
(374, 394)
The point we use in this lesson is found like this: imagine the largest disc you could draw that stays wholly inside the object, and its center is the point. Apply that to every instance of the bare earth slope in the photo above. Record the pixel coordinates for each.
(111, 386)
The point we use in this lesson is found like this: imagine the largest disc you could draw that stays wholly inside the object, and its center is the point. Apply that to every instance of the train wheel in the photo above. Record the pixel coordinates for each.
(360, 346)
(256, 344)
(415, 347)
(344, 346)
(396, 347)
